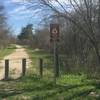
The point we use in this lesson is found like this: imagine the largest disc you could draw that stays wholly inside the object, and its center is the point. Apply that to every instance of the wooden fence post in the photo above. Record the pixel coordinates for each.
(23, 67)
(41, 66)
(6, 69)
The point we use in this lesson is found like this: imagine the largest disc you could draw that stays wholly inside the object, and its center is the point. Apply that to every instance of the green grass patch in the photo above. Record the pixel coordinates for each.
(35, 55)
(38, 53)
(33, 87)
(7, 51)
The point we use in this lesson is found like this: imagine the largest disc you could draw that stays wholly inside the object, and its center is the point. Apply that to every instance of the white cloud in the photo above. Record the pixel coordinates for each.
(18, 1)
(21, 10)
(64, 3)
(63, 0)
(17, 17)
(22, 17)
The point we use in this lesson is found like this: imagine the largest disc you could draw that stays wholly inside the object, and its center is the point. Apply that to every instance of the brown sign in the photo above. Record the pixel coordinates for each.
(54, 31)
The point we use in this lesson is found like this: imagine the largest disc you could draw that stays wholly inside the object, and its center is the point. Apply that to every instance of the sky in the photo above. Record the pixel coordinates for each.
(19, 16)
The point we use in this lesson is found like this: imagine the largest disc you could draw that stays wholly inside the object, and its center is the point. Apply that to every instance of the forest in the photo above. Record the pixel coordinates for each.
(37, 63)
(79, 32)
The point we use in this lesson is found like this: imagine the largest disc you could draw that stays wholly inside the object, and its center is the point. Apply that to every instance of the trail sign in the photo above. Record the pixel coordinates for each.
(54, 37)
(54, 31)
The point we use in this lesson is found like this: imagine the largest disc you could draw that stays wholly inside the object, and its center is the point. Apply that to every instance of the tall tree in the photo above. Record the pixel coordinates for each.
(4, 31)
(26, 36)
(83, 14)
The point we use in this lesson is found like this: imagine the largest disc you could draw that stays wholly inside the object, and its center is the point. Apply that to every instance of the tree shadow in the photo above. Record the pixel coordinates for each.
(5, 94)
(57, 88)
(44, 86)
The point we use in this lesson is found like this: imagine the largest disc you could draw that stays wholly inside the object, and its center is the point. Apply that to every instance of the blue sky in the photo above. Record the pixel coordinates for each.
(19, 16)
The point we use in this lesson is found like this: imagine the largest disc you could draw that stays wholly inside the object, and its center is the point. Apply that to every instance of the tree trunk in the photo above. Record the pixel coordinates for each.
(97, 53)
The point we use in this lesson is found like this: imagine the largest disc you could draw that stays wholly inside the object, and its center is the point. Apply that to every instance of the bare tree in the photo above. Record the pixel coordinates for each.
(4, 30)
(84, 14)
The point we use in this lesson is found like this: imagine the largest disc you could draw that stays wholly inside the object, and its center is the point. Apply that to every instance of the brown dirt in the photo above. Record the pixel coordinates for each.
(15, 62)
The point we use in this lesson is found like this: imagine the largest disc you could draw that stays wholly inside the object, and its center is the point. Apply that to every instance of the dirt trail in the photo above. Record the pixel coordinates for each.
(15, 62)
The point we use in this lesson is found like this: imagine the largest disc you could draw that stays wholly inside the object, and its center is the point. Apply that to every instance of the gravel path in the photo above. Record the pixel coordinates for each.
(15, 62)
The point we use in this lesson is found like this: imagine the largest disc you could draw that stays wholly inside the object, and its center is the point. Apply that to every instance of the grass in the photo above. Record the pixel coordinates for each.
(6, 51)
(47, 61)
(33, 87)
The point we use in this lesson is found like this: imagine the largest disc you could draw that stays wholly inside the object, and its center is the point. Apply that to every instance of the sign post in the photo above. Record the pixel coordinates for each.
(54, 35)
(6, 69)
